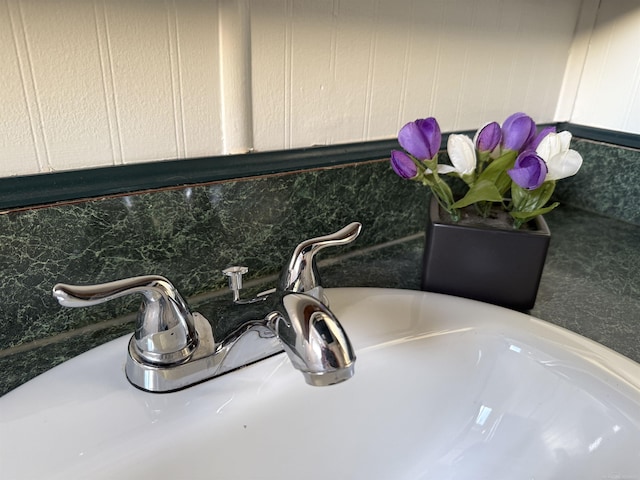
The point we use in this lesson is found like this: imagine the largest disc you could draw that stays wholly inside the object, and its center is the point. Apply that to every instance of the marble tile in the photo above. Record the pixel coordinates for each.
(591, 279)
(188, 235)
(608, 182)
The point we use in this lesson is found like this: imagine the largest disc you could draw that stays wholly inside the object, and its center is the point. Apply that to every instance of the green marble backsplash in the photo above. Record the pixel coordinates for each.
(190, 234)
(608, 182)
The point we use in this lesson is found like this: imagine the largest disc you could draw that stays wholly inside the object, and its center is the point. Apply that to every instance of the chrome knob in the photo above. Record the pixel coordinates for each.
(165, 330)
(301, 274)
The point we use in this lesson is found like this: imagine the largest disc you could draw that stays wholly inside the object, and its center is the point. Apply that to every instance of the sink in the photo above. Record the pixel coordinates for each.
(445, 388)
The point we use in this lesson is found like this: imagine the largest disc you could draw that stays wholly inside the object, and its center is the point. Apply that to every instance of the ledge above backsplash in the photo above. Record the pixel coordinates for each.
(43, 189)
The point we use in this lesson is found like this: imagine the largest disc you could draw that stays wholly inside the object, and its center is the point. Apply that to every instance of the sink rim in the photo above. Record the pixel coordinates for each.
(447, 316)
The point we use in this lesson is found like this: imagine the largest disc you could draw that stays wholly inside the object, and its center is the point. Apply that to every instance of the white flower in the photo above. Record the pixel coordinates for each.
(462, 153)
(561, 161)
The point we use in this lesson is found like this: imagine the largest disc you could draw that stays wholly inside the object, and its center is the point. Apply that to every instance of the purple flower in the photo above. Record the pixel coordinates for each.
(533, 144)
(517, 131)
(403, 165)
(421, 138)
(488, 137)
(529, 170)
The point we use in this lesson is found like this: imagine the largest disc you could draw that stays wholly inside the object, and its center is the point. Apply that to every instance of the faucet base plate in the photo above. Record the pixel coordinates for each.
(209, 360)
(162, 379)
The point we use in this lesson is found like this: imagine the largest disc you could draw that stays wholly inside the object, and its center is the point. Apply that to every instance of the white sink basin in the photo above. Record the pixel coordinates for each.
(445, 388)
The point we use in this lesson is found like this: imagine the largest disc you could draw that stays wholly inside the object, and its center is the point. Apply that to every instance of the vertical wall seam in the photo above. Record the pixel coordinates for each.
(29, 88)
(221, 72)
(460, 97)
(513, 66)
(107, 85)
(333, 59)
(634, 94)
(531, 91)
(236, 101)
(174, 73)
(36, 97)
(373, 45)
(436, 66)
(491, 69)
(605, 57)
(333, 65)
(288, 75)
(111, 87)
(405, 67)
(584, 27)
(531, 67)
(180, 83)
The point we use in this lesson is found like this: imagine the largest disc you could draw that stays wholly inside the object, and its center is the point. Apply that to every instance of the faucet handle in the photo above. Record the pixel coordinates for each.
(165, 330)
(301, 274)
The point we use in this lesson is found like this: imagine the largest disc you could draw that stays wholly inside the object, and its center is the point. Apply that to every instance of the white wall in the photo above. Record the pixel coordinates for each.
(107, 82)
(608, 95)
(338, 71)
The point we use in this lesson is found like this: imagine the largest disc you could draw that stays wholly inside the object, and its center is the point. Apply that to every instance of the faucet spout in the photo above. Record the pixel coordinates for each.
(314, 340)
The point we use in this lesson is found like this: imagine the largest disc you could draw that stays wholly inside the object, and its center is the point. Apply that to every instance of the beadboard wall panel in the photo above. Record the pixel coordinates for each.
(20, 135)
(330, 71)
(109, 82)
(609, 92)
(103, 83)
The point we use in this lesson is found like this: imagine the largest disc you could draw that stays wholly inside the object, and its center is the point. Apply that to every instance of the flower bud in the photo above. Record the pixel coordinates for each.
(533, 144)
(462, 154)
(529, 171)
(403, 165)
(562, 161)
(488, 137)
(421, 138)
(517, 131)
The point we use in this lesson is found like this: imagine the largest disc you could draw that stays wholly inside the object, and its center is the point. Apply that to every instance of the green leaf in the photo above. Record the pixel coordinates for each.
(530, 200)
(496, 172)
(534, 213)
(481, 191)
(499, 166)
(546, 189)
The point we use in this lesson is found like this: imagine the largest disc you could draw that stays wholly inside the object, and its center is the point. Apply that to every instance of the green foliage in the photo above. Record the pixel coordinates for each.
(487, 163)
(480, 191)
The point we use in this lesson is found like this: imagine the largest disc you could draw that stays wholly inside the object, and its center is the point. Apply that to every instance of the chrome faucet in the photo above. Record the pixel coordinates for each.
(173, 348)
(297, 312)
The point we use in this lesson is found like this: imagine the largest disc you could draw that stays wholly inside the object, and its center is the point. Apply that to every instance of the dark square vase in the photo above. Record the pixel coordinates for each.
(489, 264)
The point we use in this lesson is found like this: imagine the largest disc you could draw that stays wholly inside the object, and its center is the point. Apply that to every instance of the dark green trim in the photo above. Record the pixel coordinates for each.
(32, 190)
(623, 139)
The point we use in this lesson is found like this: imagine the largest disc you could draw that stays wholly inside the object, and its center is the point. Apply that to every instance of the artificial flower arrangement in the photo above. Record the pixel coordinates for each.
(513, 165)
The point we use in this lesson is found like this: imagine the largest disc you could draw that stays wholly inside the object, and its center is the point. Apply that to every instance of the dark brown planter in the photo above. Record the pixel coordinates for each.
(489, 264)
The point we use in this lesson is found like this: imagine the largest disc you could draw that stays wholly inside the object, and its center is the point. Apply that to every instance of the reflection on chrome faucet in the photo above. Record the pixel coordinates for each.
(173, 348)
